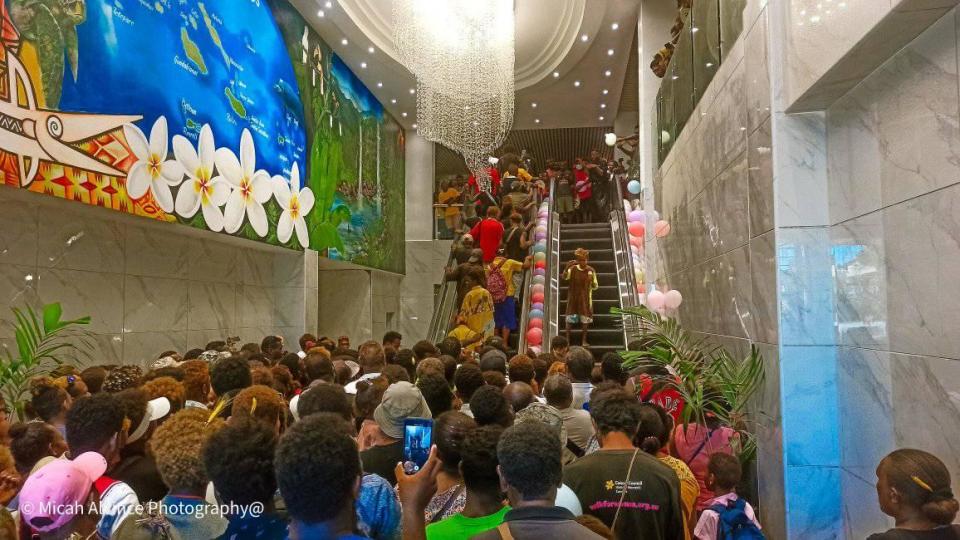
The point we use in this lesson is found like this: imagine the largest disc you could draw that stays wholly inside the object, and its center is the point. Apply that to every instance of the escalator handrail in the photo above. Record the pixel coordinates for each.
(525, 287)
(626, 275)
(445, 297)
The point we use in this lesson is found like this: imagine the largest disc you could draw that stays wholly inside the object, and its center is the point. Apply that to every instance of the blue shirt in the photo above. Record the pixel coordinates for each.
(378, 510)
(262, 527)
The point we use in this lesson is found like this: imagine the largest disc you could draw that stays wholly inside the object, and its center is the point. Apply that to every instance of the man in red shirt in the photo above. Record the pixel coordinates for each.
(488, 234)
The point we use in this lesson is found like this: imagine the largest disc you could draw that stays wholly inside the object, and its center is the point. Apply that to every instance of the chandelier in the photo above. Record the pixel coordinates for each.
(462, 54)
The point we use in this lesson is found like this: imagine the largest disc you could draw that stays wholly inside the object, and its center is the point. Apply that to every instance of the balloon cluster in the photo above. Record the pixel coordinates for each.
(637, 228)
(539, 281)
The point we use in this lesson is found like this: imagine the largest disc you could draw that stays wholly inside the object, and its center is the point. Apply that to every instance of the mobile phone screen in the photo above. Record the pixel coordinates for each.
(417, 438)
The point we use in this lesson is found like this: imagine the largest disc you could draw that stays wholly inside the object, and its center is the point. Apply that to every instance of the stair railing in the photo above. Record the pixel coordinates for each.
(623, 257)
(552, 298)
(443, 305)
(527, 278)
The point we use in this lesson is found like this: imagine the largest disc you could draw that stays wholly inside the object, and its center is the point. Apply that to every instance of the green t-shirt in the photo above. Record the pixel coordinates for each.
(457, 526)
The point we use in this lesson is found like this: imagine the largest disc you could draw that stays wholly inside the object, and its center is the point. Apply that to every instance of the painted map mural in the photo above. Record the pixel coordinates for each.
(200, 112)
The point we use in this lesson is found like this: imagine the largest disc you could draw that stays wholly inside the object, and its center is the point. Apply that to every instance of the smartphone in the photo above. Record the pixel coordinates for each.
(417, 438)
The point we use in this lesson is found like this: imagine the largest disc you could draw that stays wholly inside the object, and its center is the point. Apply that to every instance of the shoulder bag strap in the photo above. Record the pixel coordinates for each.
(700, 448)
(504, 530)
(447, 504)
(626, 487)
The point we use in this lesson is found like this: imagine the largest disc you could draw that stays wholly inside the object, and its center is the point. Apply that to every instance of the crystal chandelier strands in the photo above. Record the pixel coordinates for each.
(462, 55)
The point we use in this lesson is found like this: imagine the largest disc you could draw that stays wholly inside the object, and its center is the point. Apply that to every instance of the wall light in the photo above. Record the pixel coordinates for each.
(609, 138)
(344, 41)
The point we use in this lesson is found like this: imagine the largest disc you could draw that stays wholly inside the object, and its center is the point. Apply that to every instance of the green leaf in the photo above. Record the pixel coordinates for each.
(51, 317)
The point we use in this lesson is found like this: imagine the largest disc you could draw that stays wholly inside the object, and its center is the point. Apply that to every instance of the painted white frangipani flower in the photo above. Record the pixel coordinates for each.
(152, 172)
(202, 190)
(251, 188)
(296, 204)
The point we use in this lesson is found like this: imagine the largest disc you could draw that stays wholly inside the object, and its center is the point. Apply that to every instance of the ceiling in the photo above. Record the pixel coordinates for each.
(549, 38)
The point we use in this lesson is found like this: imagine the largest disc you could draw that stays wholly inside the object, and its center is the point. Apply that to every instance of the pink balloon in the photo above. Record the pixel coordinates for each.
(636, 241)
(661, 228)
(536, 288)
(537, 298)
(673, 299)
(655, 300)
(534, 336)
(535, 323)
(636, 228)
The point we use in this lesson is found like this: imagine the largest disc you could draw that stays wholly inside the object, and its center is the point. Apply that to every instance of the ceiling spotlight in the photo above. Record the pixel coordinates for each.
(603, 105)
(601, 119)
(534, 104)
(320, 13)
(414, 125)
(607, 73)
(404, 114)
(576, 83)
(605, 91)
(379, 84)
(370, 49)
(584, 38)
(610, 52)
(329, 5)
(394, 101)
(413, 91)
(615, 26)
(556, 74)
(363, 65)
(344, 41)
(536, 120)
(694, 30)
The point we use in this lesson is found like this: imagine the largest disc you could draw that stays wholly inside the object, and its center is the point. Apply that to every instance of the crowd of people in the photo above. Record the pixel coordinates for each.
(257, 442)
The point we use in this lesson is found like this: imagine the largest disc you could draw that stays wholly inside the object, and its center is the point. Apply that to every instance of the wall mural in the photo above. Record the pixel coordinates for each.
(192, 112)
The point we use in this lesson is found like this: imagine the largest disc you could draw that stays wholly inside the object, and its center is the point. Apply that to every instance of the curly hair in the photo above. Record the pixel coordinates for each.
(196, 380)
(317, 468)
(580, 363)
(478, 459)
(494, 378)
(133, 403)
(122, 377)
(490, 407)
(48, 398)
(468, 379)
(176, 446)
(615, 411)
(93, 377)
(325, 398)
(169, 388)
(521, 369)
(369, 395)
(261, 403)
(558, 368)
(92, 422)
(239, 461)
(282, 380)
(395, 373)
(531, 459)
(229, 374)
(436, 391)
(450, 347)
(30, 442)
(449, 429)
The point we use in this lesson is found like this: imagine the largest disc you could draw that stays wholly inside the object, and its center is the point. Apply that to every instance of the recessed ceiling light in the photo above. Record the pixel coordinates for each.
(320, 13)
(601, 119)
(403, 114)
(534, 104)
(576, 83)
(344, 41)
(556, 74)
(414, 125)
(605, 91)
(394, 101)
(694, 30)
(607, 73)
(379, 84)
(584, 37)
(363, 65)
(329, 5)
(610, 52)
(603, 105)
(413, 91)
(615, 26)
(536, 120)
(370, 50)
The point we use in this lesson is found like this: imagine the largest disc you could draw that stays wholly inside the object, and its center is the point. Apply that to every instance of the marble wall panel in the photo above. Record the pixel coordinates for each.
(861, 282)
(805, 284)
(155, 304)
(19, 234)
(155, 252)
(760, 163)
(763, 275)
(99, 295)
(757, 73)
(800, 165)
(69, 239)
(345, 298)
(726, 206)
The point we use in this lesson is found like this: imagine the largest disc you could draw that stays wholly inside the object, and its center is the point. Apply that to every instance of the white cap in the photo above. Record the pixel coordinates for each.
(156, 409)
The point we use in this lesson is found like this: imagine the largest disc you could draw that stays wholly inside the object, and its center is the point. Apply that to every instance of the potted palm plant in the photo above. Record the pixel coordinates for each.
(710, 380)
(44, 341)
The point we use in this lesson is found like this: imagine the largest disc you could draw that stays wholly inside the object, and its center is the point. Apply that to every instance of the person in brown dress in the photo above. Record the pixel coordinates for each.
(583, 281)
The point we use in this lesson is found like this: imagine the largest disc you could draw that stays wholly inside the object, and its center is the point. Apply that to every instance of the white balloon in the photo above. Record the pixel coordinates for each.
(672, 299)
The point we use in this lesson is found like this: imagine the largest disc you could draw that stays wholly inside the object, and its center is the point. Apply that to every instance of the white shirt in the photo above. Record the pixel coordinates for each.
(351, 387)
(707, 526)
(581, 394)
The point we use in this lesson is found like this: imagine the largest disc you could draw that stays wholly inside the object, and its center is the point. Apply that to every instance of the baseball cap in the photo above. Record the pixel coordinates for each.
(156, 409)
(59, 484)
(402, 400)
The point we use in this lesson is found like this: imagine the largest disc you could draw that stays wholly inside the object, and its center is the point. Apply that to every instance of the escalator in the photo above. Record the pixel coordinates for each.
(606, 333)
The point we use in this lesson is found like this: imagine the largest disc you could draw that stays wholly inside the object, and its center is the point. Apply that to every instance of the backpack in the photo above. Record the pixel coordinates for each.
(734, 523)
(496, 284)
